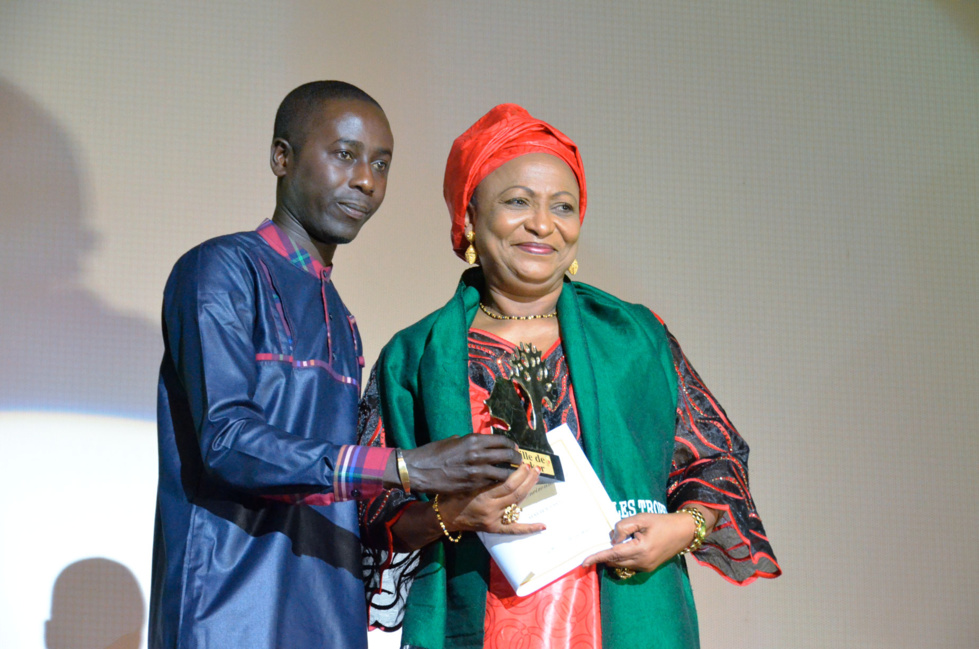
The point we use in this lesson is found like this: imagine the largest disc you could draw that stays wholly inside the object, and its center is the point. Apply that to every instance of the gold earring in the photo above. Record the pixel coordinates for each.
(573, 268)
(470, 253)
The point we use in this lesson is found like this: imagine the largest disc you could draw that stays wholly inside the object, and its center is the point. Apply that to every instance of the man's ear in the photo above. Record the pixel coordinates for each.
(280, 157)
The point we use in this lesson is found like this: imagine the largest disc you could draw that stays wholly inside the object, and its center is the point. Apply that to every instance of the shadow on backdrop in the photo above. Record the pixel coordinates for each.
(63, 348)
(96, 604)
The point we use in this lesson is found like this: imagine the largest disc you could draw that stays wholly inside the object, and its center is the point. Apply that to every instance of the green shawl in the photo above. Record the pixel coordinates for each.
(625, 389)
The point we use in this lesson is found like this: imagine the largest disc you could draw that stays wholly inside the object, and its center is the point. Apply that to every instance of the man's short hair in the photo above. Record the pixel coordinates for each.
(295, 110)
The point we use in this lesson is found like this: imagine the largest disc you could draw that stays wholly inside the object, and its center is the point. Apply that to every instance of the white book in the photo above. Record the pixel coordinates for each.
(578, 514)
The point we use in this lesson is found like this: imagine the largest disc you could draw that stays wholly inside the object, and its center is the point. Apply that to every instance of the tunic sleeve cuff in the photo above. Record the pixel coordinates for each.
(360, 472)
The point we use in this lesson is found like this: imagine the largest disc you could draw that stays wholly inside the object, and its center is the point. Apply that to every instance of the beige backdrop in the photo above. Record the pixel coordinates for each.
(792, 186)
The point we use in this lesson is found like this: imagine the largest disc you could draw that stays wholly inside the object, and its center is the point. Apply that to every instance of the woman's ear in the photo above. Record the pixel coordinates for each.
(471, 214)
(471, 256)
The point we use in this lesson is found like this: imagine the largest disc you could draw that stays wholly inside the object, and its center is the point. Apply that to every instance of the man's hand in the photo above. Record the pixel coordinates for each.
(460, 464)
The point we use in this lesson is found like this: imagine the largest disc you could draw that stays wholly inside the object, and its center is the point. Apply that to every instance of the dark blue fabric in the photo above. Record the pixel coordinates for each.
(232, 568)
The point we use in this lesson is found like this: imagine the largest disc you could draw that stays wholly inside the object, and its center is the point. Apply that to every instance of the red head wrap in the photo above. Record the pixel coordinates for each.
(504, 133)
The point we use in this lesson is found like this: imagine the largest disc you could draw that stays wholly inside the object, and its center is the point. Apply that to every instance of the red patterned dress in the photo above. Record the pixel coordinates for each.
(709, 467)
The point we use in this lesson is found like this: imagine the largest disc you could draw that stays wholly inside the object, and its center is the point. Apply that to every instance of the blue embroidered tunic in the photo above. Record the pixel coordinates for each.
(256, 541)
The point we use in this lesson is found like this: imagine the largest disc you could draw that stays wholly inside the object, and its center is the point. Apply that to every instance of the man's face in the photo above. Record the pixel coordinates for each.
(335, 180)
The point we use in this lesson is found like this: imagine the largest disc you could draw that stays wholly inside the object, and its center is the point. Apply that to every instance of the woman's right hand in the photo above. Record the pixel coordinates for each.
(482, 511)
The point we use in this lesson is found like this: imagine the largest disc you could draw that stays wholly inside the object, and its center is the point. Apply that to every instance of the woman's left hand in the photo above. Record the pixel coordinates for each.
(656, 538)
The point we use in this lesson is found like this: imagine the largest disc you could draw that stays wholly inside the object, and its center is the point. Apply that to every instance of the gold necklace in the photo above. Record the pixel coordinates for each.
(499, 316)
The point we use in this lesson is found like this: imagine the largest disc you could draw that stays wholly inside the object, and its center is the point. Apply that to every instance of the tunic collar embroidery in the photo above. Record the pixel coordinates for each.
(297, 255)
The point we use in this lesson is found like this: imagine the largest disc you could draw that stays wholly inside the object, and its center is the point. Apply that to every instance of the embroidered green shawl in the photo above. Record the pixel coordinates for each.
(626, 392)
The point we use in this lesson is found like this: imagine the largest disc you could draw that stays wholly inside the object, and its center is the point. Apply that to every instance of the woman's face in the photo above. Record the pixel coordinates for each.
(525, 216)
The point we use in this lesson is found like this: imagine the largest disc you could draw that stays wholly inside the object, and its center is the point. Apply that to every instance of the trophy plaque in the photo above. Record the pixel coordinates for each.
(518, 402)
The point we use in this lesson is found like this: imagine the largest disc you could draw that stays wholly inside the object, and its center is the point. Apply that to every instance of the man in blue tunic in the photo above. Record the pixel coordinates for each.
(256, 540)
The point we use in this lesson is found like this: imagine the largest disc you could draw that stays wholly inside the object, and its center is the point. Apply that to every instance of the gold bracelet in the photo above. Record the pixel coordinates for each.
(699, 535)
(403, 471)
(435, 506)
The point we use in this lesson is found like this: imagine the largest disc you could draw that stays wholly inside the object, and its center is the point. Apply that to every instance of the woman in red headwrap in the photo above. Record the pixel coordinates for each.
(656, 437)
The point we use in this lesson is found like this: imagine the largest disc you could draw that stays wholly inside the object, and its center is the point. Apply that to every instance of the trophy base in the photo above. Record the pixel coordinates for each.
(548, 463)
